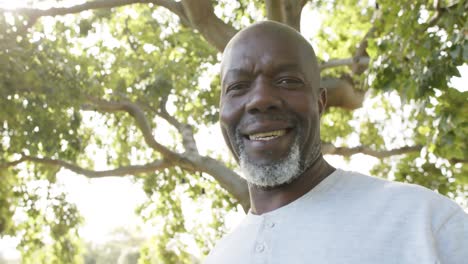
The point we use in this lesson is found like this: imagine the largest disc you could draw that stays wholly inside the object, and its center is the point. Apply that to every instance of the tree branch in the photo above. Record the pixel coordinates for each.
(328, 148)
(139, 116)
(357, 67)
(363, 61)
(292, 12)
(440, 11)
(60, 11)
(185, 130)
(227, 178)
(273, 10)
(285, 11)
(121, 171)
(176, 8)
(341, 93)
(199, 14)
(33, 14)
(202, 18)
(191, 160)
(458, 161)
(188, 139)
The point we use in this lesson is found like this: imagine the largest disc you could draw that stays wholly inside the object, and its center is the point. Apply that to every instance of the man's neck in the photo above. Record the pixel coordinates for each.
(266, 200)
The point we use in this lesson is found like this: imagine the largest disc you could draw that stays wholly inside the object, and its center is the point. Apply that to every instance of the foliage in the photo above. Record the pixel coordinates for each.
(53, 71)
(169, 192)
(123, 248)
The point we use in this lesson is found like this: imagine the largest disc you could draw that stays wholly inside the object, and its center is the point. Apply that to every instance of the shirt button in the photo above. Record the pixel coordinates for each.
(271, 224)
(260, 248)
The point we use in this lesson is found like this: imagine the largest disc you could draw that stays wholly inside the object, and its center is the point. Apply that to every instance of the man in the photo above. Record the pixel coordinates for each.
(302, 209)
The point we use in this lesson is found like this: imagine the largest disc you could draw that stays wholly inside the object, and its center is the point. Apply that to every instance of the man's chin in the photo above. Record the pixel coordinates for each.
(272, 186)
(265, 162)
(271, 175)
(268, 170)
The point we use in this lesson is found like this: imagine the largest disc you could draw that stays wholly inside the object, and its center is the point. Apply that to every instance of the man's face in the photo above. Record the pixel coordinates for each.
(270, 107)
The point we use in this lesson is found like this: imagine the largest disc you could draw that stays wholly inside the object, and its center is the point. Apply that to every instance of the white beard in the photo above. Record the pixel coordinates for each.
(274, 174)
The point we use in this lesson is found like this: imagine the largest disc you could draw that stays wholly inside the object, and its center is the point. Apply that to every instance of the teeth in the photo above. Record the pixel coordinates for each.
(267, 135)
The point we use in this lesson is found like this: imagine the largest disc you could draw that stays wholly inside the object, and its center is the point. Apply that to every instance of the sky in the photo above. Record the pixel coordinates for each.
(109, 203)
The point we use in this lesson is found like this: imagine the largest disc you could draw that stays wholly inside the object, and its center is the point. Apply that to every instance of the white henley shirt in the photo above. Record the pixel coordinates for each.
(352, 218)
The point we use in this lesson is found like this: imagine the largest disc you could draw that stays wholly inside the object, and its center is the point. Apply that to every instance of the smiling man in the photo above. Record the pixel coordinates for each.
(302, 209)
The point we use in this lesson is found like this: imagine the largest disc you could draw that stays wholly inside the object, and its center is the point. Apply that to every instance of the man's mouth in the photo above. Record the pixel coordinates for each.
(267, 135)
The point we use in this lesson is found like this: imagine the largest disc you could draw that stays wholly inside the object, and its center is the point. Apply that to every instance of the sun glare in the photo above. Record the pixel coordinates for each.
(14, 4)
(8, 4)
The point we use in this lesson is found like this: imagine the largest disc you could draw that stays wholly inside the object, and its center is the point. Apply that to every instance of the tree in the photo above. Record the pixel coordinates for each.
(137, 68)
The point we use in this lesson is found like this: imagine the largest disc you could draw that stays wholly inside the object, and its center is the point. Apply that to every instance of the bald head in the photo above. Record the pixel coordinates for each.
(271, 34)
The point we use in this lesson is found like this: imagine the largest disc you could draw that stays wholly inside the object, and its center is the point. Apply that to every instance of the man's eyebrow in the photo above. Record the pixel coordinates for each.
(233, 73)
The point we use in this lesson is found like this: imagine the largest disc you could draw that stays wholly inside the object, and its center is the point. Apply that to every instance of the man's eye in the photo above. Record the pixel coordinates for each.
(289, 82)
(237, 86)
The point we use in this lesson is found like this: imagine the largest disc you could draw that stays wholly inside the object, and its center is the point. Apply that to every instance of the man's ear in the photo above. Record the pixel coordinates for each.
(322, 100)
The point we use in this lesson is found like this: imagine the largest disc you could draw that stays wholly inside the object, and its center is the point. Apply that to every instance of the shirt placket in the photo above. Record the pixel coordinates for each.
(263, 246)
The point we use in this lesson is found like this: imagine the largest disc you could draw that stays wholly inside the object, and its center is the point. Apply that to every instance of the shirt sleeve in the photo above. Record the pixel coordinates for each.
(452, 239)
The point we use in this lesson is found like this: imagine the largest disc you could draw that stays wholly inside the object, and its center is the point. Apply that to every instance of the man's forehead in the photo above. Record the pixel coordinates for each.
(251, 62)
(267, 46)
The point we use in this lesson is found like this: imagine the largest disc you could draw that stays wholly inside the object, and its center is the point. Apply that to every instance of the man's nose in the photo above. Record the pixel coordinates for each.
(263, 97)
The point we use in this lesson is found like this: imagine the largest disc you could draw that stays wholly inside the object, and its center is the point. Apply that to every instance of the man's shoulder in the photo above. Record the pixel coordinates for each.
(385, 186)
(396, 193)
